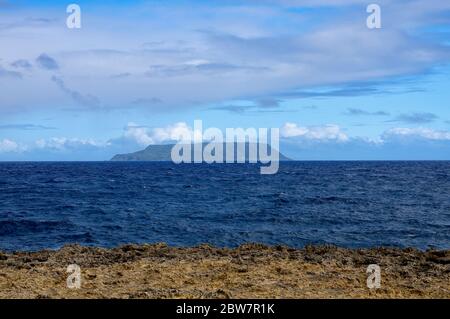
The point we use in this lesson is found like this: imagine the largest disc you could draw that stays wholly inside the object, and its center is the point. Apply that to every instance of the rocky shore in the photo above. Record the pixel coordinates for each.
(250, 271)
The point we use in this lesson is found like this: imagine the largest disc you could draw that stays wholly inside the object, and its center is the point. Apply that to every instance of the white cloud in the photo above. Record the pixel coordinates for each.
(139, 134)
(422, 133)
(328, 132)
(333, 133)
(246, 54)
(174, 132)
(310, 142)
(7, 146)
(63, 143)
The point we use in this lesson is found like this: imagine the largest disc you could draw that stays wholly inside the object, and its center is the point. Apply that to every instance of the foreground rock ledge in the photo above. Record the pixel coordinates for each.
(250, 271)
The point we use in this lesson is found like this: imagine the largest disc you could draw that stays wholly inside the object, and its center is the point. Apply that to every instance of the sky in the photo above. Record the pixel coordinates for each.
(140, 72)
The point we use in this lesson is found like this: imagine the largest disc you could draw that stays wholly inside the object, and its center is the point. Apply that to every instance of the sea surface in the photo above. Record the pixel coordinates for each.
(350, 204)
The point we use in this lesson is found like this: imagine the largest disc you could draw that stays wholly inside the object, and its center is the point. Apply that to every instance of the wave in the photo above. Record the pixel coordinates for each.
(24, 226)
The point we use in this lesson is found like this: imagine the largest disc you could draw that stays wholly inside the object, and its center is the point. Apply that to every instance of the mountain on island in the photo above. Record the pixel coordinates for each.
(162, 153)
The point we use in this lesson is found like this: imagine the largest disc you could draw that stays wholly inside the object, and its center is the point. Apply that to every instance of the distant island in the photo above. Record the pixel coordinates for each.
(162, 153)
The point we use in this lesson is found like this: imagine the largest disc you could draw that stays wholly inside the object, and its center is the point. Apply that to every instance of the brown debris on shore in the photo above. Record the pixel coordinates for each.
(250, 271)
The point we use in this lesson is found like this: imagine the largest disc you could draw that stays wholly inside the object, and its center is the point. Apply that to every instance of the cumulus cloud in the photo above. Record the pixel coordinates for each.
(328, 132)
(134, 137)
(393, 144)
(63, 143)
(301, 142)
(7, 146)
(175, 132)
(145, 136)
(139, 134)
(333, 133)
(416, 133)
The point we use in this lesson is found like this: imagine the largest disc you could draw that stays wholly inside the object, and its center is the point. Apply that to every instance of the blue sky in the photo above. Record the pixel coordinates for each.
(139, 72)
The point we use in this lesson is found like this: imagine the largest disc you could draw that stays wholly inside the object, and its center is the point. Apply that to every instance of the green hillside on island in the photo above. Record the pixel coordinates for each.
(162, 153)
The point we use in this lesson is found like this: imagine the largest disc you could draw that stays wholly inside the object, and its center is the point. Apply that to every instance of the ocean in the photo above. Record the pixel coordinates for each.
(349, 204)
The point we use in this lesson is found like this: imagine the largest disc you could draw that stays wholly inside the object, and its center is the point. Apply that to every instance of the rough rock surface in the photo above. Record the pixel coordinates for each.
(250, 271)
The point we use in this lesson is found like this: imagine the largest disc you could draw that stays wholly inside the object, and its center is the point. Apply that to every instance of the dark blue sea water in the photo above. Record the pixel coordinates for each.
(351, 204)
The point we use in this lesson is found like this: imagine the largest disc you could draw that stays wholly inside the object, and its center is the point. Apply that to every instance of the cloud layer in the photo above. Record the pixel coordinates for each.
(241, 51)
(300, 142)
